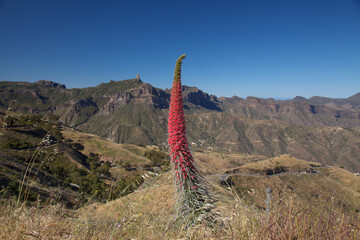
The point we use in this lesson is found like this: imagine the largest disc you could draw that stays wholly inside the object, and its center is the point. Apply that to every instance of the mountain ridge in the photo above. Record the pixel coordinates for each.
(132, 111)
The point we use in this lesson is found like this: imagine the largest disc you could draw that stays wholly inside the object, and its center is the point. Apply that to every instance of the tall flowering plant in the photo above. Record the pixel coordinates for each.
(193, 201)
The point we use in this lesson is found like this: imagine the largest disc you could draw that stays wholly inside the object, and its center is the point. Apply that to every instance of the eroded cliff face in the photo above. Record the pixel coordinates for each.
(224, 132)
(79, 111)
(199, 98)
(132, 111)
(74, 104)
(52, 84)
(145, 93)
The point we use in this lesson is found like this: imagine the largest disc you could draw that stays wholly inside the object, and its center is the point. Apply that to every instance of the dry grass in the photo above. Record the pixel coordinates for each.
(148, 214)
(109, 151)
(343, 176)
(302, 188)
(285, 162)
(285, 222)
(215, 162)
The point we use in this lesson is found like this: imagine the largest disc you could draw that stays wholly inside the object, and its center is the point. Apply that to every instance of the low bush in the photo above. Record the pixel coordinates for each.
(157, 158)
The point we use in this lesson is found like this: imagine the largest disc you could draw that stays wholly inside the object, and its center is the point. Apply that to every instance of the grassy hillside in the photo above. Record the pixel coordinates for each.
(301, 181)
(302, 192)
(132, 123)
(305, 192)
(304, 206)
(40, 160)
(108, 151)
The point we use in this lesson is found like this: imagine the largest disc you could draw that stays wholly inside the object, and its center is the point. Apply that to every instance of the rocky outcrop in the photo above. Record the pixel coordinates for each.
(79, 111)
(352, 102)
(107, 97)
(51, 84)
(135, 112)
(199, 98)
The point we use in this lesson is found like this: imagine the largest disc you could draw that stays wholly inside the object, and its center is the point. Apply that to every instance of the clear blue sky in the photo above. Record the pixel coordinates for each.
(277, 48)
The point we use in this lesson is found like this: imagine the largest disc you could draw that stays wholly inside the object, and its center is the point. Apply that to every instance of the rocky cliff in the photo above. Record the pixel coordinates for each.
(131, 111)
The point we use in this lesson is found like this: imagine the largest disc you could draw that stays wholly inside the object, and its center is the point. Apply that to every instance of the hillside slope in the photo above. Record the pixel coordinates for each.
(299, 182)
(327, 145)
(303, 182)
(39, 159)
(134, 112)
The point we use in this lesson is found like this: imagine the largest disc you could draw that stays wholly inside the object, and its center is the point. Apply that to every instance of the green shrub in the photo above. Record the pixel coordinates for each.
(157, 158)
(94, 166)
(104, 169)
(17, 145)
(126, 185)
(8, 187)
(92, 185)
(93, 158)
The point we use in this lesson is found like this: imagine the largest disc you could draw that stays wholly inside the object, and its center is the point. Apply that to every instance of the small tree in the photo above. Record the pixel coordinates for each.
(193, 201)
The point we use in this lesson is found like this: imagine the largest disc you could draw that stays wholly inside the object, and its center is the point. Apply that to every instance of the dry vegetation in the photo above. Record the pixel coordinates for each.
(310, 201)
(148, 214)
(216, 162)
(108, 151)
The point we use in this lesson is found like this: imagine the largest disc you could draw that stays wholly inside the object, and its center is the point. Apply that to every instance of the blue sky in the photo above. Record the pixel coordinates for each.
(278, 48)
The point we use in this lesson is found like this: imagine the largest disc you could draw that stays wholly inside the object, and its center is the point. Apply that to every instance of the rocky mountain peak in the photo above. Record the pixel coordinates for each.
(52, 84)
(197, 97)
(299, 99)
(355, 97)
(253, 99)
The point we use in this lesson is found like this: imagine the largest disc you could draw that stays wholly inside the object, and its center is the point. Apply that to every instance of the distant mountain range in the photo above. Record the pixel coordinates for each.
(318, 129)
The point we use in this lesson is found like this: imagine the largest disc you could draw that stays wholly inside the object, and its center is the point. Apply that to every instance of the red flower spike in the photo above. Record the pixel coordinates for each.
(191, 192)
